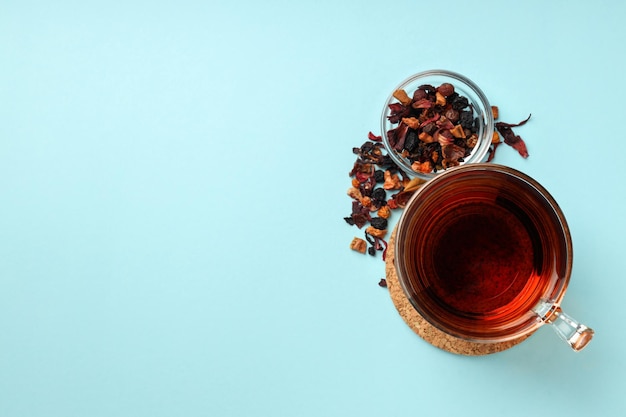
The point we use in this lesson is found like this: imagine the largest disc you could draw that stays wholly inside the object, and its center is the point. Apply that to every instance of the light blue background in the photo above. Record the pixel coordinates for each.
(172, 188)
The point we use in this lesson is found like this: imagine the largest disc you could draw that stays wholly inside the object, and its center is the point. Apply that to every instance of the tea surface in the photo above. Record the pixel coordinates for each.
(482, 258)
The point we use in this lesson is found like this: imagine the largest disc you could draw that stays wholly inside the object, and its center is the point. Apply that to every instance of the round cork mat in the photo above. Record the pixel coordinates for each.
(426, 330)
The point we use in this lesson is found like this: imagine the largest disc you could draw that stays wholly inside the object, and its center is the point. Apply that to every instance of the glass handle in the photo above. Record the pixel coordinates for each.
(574, 333)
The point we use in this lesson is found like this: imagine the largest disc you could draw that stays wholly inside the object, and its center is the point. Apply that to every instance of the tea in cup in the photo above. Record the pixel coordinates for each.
(484, 253)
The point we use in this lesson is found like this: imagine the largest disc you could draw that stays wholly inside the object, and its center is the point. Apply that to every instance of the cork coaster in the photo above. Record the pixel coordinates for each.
(426, 330)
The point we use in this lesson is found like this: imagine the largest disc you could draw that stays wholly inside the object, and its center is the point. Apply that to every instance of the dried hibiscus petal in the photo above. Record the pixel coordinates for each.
(360, 215)
(492, 151)
(358, 219)
(359, 167)
(452, 152)
(392, 203)
(430, 120)
(397, 112)
(422, 104)
(362, 177)
(400, 136)
(400, 199)
(511, 139)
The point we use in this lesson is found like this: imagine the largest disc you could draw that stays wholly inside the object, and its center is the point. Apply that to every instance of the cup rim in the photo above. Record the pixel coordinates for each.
(487, 167)
(482, 147)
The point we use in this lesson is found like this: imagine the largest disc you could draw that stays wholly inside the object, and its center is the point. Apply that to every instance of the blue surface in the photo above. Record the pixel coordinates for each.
(172, 187)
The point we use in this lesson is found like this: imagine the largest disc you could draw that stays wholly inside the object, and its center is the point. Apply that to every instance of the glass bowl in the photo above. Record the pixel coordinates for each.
(411, 123)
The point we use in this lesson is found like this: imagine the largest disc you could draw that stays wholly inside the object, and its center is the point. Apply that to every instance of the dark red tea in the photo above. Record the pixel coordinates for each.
(478, 250)
(474, 267)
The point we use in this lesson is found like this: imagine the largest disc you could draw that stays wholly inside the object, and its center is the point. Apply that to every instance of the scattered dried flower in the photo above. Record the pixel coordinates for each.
(384, 212)
(511, 139)
(414, 184)
(372, 169)
(392, 181)
(492, 151)
(366, 202)
(354, 193)
(358, 245)
(371, 230)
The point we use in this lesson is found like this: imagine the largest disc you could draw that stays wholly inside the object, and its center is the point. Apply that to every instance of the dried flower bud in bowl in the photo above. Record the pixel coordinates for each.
(435, 120)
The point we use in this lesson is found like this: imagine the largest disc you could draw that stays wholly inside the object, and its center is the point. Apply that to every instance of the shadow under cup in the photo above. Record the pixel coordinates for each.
(478, 248)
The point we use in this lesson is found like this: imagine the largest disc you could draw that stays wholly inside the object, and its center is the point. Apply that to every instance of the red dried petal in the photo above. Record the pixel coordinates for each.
(444, 123)
(400, 199)
(452, 152)
(422, 104)
(396, 108)
(385, 250)
(432, 119)
(492, 151)
(522, 123)
(511, 139)
(400, 136)
(359, 220)
(362, 176)
(520, 147)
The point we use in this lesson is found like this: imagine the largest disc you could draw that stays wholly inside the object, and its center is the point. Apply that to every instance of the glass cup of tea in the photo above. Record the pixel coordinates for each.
(483, 253)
